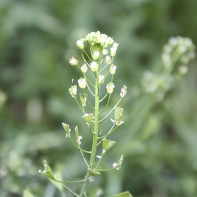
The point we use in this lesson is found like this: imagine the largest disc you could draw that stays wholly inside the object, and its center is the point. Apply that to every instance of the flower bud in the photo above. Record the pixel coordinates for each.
(113, 69)
(94, 66)
(108, 60)
(105, 51)
(123, 91)
(73, 61)
(101, 79)
(82, 83)
(96, 55)
(88, 118)
(110, 87)
(80, 44)
(84, 68)
(113, 51)
(73, 91)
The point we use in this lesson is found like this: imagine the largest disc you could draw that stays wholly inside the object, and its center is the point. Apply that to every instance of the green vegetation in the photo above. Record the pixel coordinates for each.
(158, 138)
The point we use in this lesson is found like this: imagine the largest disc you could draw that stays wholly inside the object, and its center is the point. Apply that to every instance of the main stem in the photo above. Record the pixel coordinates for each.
(95, 135)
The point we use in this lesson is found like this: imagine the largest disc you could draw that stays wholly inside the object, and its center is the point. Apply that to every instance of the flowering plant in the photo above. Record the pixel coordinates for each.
(97, 70)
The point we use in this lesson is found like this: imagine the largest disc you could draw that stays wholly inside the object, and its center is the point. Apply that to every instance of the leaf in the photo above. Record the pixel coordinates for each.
(123, 194)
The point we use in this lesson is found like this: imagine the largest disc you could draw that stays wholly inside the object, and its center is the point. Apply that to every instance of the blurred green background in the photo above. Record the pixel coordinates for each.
(158, 140)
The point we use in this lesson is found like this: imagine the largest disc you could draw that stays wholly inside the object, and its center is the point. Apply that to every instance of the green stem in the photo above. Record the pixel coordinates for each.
(95, 135)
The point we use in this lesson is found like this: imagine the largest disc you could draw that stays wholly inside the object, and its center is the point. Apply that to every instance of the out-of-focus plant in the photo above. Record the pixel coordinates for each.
(97, 52)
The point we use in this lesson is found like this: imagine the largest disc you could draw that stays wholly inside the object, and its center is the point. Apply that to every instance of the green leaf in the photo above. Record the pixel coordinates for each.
(107, 144)
(47, 171)
(27, 193)
(123, 194)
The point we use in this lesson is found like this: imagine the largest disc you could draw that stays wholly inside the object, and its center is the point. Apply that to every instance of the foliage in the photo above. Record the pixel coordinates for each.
(158, 139)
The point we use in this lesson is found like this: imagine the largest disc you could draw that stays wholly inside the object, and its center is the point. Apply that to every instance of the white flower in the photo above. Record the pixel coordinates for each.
(110, 87)
(115, 45)
(113, 51)
(101, 79)
(123, 91)
(73, 91)
(105, 51)
(94, 66)
(108, 60)
(113, 69)
(84, 68)
(82, 82)
(80, 44)
(96, 55)
(79, 140)
(73, 61)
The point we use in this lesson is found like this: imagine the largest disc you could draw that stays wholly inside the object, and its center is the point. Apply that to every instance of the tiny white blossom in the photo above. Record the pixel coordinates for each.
(80, 44)
(96, 55)
(94, 66)
(82, 82)
(105, 51)
(73, 91)
(113, 69)
(79, 139)
(110, 87)
(113, 51)
(101, 79)
(108, 60)
(84, 68)
(73, 61)
(123, 91)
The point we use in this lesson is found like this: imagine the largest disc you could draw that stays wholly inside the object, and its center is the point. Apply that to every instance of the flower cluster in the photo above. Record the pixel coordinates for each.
(177, 53)
(178, 50)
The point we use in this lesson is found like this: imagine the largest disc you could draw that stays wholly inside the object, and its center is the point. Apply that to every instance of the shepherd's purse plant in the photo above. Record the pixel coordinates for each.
(95, 86)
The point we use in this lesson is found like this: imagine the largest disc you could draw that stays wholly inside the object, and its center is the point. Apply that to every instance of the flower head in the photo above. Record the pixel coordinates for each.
(82, 83)
(73, 61)
(110, 87)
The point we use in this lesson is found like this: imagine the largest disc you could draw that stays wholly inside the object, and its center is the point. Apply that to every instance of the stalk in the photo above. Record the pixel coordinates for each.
(95, 135)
